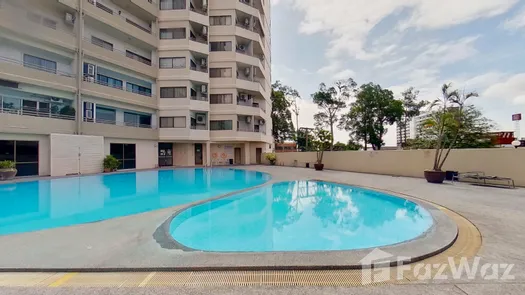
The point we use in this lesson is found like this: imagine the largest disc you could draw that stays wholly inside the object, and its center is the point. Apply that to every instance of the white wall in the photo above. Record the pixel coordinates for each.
(76, 154)
(146, 151)
(118, 45)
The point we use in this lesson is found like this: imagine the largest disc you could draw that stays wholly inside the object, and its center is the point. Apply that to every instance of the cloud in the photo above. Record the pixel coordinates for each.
(516, 22)
(344, 74)
(512, 89)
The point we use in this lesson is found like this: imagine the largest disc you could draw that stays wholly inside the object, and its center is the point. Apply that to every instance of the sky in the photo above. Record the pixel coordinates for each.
(478, 45)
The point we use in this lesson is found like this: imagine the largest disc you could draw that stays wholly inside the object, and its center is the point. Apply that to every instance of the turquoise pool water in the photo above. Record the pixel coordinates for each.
(300, 216)
(36, 205)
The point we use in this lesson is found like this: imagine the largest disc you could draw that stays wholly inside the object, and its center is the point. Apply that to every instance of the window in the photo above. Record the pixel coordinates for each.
(106, 116)
(172, 62)
(174, 33)
(223, 20)
(101, 43)
(130, 87)
(137, 57)
(221, 125)
(137, 120)
(125, 153)
(221, 46)
(108, 81)
(221, 98)
(40, 64)
(23, 153)
(220, 72)
(173, 92)
(173, 122)
(172, 4)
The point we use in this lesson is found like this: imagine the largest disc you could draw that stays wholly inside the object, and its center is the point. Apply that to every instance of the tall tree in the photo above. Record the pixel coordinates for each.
(374, 108)
(411, 108)
(331, 101)
(282, 98)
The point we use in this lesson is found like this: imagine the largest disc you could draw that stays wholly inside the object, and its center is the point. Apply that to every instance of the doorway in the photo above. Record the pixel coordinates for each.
(198, 154)
(165, 154)
(23, 153)
(258, 155)
(237, 156)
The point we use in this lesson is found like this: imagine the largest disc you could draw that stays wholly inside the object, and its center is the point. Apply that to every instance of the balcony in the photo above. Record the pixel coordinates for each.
(199, 74)
(120, 58)
(253, 109)
(19, 71)
(93, 87)
(148, 9)
(118, 129)
(251, 84)
(15, 20)
(193, 15)
(106, 15)
(242, 134)
(192, 133)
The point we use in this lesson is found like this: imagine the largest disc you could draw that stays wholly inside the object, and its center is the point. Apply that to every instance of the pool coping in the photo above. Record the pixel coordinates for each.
(438, 238)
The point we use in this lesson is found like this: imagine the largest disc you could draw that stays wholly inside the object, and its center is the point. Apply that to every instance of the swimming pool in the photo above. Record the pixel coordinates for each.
(43, 204)
(300, 216)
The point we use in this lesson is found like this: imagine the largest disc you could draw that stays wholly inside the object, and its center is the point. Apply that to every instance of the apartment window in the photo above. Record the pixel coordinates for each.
(130, 87)
(174, 33)
(40, 63)
(173, 92)
(125, 153)
(221, 46)
(173, 122)
(220, 72)
(221, 125)
(108, 81)
(172, 62)
(221, 98)
(106, 115)
(101, 43)
(23, 153)
(139, 58)
(172, 4)
(223, 20)
(137, 120)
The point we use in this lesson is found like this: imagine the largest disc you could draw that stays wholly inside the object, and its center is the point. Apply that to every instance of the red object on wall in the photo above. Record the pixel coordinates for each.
(501, 138)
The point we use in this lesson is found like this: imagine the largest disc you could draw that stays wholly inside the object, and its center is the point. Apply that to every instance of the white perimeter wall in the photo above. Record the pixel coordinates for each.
(76, 154)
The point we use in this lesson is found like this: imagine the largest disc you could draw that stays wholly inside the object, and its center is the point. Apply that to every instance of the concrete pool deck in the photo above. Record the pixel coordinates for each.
(497, 213)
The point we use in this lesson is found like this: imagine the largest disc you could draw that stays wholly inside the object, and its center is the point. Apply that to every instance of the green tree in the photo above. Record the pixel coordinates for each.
(374, 108)
(411, 108)
(304, 139)
(322, 142)
(282, 126)
(331, 101)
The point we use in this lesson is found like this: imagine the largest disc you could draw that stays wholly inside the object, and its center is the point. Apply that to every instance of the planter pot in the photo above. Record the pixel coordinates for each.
(435, 176)
(107, 170)
(7, 174)
(319, 167)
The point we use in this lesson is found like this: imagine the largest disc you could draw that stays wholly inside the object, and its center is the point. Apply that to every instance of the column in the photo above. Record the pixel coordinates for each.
(208, 154)
(247, 153)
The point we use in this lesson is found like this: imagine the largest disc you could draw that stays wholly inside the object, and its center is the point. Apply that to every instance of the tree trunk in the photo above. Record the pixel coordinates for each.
(332, 134)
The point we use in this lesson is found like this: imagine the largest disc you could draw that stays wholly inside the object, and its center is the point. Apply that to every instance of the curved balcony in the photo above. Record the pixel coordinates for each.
(238, 135)
(193, 134)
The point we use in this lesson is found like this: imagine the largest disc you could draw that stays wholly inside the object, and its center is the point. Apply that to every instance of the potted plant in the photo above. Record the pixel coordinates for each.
(7, 170)
(321, 143)
(272, 158)
(447, 122)
(110, 164)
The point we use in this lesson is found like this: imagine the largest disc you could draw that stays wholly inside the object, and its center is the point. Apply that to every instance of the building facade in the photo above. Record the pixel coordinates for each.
(412, 130)
(152, 82)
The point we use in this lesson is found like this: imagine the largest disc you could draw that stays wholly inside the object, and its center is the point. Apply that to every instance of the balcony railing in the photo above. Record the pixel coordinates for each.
(124, 53)
(35, 67)
(91, 79)
(247, 2)
(199, 39)
(199, 10)
(127, 20)
(199, 127)
(118, 123)
(249, 104)
(42, 113)
(254, 129)
(199, 69)
(199, 97)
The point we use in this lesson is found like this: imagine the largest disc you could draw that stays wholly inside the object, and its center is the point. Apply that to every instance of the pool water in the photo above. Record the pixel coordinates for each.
(300, 216)
(43, 204)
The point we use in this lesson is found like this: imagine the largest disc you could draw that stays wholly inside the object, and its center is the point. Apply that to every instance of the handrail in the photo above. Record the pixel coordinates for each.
(195, 127)
(199, 11)
(91, 79)
(199, 69)
(36, 67)
(117, 123)
(124, 53)
(127, 20)
(200, 98)
(200, 40)
(34, 112)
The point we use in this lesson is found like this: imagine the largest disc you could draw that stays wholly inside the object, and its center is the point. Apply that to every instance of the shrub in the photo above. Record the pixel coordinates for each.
(111, 163)
(272, 158)
(7, 165)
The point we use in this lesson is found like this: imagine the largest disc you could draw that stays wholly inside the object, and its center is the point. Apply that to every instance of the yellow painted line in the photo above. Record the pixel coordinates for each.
(63, 279)
(147, 279)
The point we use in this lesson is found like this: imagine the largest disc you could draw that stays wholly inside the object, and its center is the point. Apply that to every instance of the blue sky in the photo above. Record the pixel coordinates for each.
(478, 45)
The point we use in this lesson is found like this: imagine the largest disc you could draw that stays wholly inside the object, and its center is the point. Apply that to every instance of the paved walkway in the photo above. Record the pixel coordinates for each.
(498, 214)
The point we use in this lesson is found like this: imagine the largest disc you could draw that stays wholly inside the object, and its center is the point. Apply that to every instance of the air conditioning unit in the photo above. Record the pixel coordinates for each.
(241, 47)
(204, 62)
(248, 120)
(91, 70)
(89, 114)
(90, 79)
(88, 110)
(243, 97)
(247, 22)
(69, 18)
(205, 4)
(261, 122)
(204, 89)
(247, 72)
(201, 119)
(205, 31)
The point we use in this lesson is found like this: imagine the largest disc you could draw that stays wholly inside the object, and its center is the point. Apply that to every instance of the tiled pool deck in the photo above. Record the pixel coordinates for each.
(497, 213)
